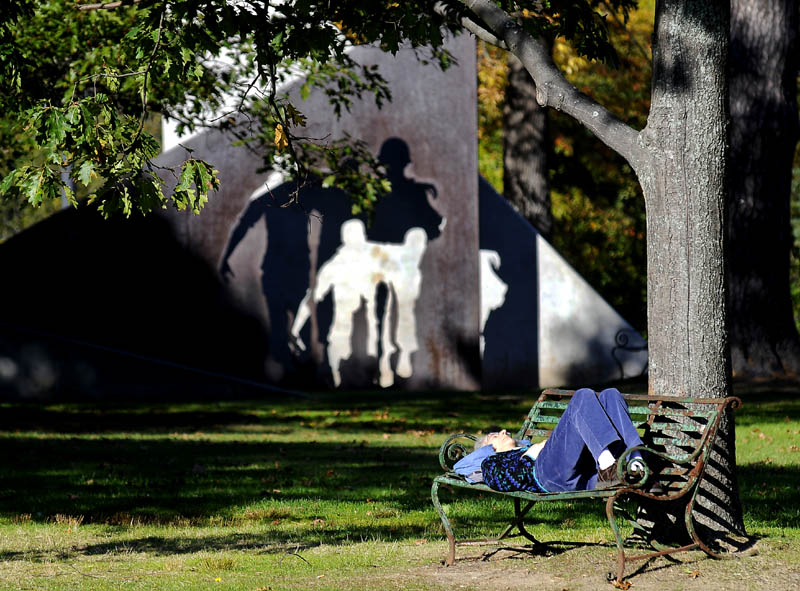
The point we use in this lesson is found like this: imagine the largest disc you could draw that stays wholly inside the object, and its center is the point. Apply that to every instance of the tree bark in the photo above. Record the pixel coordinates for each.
(764, 133)
(525, 150)
(684, 183)
(684, 187)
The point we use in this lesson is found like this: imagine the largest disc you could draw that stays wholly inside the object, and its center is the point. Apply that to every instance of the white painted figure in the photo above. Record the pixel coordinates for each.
(352, 275)
(493, 289)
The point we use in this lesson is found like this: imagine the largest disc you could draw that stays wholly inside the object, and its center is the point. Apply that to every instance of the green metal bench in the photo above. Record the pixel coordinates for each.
(678, 434)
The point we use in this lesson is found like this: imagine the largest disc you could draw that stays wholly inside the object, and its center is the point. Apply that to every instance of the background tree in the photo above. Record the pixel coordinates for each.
(764, 133)
(601, 227)
(526, 144)
(597, 204)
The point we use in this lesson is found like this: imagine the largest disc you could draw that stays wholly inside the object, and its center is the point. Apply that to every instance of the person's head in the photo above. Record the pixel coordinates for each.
(353, 233)
(500, 441)
(415, 240)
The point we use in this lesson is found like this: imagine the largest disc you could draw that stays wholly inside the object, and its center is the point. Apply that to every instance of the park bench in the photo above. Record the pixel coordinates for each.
(678, 434)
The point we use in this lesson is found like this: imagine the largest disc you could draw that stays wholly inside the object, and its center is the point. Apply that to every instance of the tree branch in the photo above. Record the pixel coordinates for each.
(150, 62)
(106, 5)
(480, 32)
(552, 88)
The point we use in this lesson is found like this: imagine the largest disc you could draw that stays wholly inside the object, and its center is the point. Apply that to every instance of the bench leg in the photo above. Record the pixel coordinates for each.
(451, 539)
(617, 536)
(519, 516)
(695, 536)
(662, 550)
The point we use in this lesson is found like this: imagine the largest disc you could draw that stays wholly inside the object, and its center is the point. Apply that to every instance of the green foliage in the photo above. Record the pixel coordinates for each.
(75, 102)
(78, 85)
(491, 96)
(597, 201)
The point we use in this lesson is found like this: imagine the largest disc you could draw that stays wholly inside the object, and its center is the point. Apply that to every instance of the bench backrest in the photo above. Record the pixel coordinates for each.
(681, 429)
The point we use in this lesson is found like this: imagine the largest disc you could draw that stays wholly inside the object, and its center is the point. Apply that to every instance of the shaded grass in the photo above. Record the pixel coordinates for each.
(167, 495)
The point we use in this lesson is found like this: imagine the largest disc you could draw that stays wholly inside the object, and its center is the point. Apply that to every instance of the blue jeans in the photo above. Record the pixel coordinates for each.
(591, 423)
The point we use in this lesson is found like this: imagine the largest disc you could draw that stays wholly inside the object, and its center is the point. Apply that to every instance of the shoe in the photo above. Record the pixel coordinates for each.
(607, 478)
(634, 471)
(651, 486)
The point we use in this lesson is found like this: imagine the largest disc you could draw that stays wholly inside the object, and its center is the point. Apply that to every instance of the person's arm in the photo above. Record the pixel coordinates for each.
(247, 220)
(470, 464)
(533, 450)
(303, 312)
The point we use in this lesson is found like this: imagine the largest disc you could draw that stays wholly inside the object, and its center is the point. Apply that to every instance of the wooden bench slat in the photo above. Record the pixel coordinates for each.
(684, 427)
(662, 412)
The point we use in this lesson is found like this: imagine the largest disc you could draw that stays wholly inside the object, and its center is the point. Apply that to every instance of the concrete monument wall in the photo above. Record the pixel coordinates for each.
(542, 323)
(447, 287)
(343, 301)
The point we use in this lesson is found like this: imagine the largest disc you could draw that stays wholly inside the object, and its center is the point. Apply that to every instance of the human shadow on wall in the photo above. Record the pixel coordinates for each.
(340, 289)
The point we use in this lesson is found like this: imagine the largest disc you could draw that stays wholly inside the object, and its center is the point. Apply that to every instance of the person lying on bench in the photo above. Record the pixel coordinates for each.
(580, 454)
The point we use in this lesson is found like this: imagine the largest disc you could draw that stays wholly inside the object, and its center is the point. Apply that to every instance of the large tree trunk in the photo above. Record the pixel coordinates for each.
(764, 132)
(684, 181)
(525, 148)
(680, 159)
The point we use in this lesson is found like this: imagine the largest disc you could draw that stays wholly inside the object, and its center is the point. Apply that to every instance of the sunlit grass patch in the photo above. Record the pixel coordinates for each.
(329, 493)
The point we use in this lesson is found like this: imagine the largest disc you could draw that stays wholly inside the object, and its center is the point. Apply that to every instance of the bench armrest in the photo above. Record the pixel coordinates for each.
(453, 450)
(639, 479)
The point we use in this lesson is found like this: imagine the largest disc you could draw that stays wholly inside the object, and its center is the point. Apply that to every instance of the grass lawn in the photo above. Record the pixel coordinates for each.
(329, 493)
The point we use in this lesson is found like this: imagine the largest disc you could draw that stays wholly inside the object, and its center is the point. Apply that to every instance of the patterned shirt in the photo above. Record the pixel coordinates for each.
(511, 471)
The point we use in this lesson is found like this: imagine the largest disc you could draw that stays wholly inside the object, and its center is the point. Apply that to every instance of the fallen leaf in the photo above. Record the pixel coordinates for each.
(694, 574)
(621, 585)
